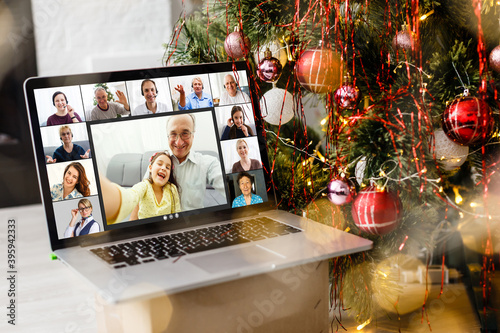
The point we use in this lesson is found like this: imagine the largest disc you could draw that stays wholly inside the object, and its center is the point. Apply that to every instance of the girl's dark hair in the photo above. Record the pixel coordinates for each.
(83, 183)
(171, 178)
(232, 130)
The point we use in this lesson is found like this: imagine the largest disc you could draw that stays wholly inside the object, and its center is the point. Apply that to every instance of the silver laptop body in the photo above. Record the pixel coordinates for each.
(120, 148)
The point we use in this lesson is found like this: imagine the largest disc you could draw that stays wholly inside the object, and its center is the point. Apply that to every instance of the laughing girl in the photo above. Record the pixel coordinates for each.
(158, 195)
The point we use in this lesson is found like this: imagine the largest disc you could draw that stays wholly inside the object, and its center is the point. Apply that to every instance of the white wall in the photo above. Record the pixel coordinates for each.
(95, 35)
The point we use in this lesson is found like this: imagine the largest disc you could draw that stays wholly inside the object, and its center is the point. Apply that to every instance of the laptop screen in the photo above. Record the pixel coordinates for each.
(134, 152)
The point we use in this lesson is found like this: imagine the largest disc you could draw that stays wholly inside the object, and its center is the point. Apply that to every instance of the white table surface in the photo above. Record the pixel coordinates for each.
(50, 297)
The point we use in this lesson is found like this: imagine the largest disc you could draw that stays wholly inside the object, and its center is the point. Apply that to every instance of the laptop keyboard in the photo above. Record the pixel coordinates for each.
(193, 241)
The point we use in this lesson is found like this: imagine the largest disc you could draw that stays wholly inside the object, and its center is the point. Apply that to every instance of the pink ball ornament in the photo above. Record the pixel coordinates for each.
(237, 44)
(339, 192)
(468, 121)
(376, 212)
(347, 96)
(403, 40)
(269, 69)
(495, 59)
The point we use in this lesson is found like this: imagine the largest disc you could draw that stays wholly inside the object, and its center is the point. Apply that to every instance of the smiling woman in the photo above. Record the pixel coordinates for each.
(69, 151)
(245, 163)
(87, 225)
(65, 114)
(236, 127)
(245, 183)
(74, 185)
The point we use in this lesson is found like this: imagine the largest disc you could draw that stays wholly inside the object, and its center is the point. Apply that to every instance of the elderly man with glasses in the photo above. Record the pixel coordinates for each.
(193, 170)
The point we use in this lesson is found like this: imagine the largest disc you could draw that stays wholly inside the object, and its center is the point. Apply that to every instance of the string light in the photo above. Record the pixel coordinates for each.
(360, 327)
(403, 244)
(458, 197)
(423, 17)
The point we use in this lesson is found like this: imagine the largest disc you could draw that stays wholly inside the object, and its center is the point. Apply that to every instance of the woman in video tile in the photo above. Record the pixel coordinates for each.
(87, 224)
(245, 183)
(245, 163)
(65, 114)
(69, 151)
(75, 183)
(236, 127)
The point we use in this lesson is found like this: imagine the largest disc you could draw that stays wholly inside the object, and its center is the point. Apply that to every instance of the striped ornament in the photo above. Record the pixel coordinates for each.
(318, 70)
(468, 121)
(376, 212)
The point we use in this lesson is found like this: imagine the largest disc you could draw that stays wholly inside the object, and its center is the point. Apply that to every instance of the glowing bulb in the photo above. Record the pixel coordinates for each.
(473, 205)
(458, 197)
(360, 327)
(423, 17)
(461, 215)
(321, 157)
(324, 121)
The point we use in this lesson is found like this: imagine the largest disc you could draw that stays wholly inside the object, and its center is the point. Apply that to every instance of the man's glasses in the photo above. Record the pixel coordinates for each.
(184, 136)
(84, 208)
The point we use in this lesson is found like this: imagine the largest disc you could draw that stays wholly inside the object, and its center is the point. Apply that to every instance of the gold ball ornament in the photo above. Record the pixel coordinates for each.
(391, 293)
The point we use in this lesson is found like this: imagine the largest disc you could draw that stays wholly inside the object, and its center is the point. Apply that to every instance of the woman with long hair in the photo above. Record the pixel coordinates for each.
(236, 127)
(74, 185)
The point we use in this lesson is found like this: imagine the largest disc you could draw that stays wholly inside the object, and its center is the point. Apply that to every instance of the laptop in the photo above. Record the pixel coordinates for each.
(158, 180)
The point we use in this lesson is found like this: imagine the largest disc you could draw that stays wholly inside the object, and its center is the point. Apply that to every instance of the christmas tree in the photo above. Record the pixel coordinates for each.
(408, 93)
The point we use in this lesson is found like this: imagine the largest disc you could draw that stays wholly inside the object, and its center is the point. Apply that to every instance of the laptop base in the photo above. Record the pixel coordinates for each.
(288, 300)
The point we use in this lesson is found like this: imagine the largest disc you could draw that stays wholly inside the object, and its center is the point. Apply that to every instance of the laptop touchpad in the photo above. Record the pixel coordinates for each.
(235, 259)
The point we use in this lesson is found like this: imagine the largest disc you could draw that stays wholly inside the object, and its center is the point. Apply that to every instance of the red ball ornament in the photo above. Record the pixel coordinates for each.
(269, 69)
(495, 59)
(237, 44)
(403, 40)
(376, 212)
(339, 192)
(347, 96)
(318, 70)
(468, 121)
